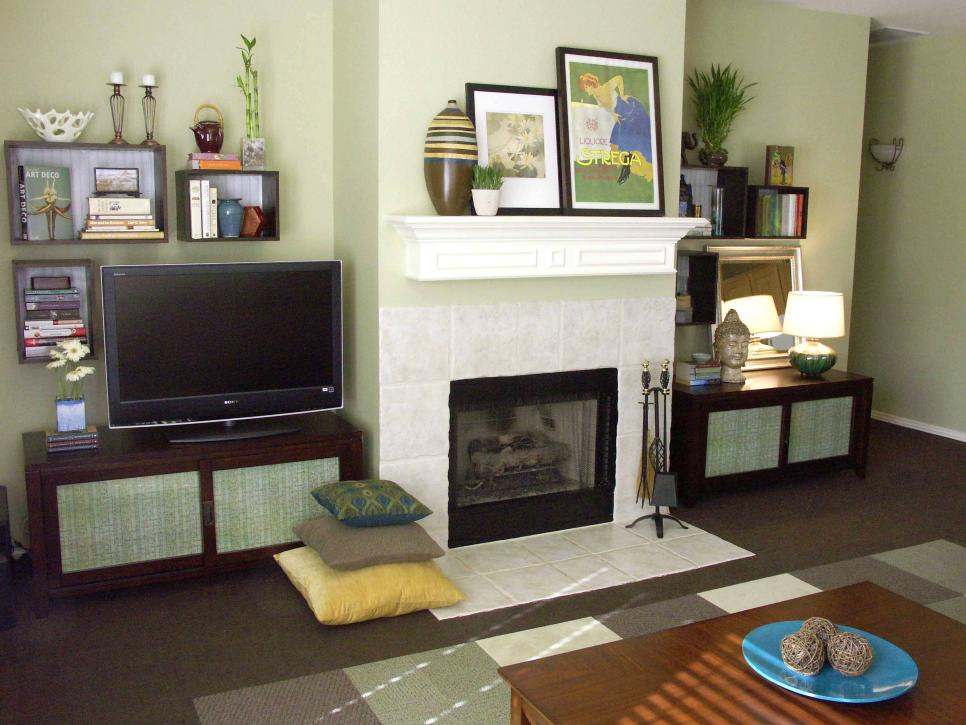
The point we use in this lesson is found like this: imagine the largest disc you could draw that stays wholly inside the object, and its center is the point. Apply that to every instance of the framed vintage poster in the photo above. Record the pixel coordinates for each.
(516, 129)
(610, 133)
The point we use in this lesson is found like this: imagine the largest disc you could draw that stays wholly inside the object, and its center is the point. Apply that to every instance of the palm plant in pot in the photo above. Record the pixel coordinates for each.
(718, 97)
(487, 182)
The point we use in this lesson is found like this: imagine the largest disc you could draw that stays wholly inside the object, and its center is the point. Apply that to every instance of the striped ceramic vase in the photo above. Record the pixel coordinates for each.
(448, 160)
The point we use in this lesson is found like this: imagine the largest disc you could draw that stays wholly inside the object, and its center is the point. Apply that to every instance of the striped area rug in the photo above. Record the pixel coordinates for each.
(459, 684)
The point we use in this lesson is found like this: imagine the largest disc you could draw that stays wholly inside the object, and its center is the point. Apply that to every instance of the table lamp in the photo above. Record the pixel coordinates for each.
(813, 315)
(759, 313)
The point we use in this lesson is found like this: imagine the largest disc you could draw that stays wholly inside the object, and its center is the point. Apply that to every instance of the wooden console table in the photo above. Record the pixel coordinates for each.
(696, 673)
(776, 424)
(139, 509)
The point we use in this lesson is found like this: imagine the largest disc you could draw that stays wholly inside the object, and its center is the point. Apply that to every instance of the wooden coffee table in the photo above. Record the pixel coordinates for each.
(696, 673)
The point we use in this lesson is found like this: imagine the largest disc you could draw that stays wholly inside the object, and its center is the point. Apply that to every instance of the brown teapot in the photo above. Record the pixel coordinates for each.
(209, 135)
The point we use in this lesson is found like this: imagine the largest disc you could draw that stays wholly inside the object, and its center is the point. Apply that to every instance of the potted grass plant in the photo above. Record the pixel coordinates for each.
(718, 97)
(253, 144)
(487, 182)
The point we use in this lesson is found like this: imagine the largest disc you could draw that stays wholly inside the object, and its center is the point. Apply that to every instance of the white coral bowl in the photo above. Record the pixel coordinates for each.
(56, 125)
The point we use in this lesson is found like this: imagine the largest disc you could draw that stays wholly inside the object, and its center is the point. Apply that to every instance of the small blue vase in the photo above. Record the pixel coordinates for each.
(230, 214)
(70, 414)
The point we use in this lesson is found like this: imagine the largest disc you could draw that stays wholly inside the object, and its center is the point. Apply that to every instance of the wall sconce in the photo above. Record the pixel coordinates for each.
(887, 154)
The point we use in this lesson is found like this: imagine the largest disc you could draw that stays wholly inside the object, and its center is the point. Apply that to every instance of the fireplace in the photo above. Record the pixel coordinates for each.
(531, 453)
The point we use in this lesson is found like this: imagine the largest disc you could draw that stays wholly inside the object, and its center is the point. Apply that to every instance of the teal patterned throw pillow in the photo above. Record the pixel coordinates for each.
(370, 503)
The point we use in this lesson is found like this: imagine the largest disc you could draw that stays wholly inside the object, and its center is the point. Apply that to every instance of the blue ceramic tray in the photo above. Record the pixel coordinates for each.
(893, 671)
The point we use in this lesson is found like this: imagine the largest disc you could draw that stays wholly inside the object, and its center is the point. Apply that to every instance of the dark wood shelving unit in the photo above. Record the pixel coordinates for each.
(81, 274)
(208, 532)
(82, 159)
(752, 230)
(702, 285)
(253, 188)
(734, 179)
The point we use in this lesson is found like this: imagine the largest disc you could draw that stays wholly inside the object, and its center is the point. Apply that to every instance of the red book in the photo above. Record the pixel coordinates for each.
(32, 336)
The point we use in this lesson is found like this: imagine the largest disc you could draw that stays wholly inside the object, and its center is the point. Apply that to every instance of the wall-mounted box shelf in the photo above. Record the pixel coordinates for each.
(777, 212)
(252, 188)
(734, 180)
(38, 314)
(81, 159)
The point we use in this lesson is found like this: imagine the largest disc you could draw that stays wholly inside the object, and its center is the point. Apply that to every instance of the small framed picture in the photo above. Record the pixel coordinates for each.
(116, 181)
(610, 133)
(516, 129)
(779, 164)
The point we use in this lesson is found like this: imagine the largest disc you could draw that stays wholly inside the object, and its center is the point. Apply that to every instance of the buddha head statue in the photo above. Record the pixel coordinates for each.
(731, 347)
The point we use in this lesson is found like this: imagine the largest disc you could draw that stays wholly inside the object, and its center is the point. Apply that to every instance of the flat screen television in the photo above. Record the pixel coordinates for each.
(221, 343)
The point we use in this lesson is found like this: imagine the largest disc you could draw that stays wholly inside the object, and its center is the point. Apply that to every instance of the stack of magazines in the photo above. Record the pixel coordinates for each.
(72, 440)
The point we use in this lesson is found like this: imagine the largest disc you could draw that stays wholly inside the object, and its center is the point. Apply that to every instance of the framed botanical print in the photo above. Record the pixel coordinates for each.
(516, 129)
(610, 133)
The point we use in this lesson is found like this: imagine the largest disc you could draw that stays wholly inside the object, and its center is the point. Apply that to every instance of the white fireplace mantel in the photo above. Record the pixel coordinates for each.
(502, 247)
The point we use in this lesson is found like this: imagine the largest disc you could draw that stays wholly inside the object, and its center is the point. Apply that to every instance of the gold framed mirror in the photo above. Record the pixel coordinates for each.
(760, 270)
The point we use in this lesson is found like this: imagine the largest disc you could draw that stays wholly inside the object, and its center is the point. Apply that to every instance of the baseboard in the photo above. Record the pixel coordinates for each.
(956, 435)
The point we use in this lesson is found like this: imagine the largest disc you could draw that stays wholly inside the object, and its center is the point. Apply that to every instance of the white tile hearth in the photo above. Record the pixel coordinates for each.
(593, 333)
(532, 568)
(422, 349)
(414, 344)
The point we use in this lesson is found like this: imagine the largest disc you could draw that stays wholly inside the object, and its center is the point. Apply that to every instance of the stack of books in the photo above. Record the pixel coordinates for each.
(72, 440)
(779, 214)
(202, 209)
(692, 373)
(219, 162)
(120, 217)
(51, 315)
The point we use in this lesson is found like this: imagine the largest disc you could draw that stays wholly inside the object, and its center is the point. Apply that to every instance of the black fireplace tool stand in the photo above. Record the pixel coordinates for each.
(664, 492)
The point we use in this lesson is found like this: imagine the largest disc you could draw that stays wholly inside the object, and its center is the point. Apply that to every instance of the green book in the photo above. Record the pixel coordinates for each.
(47, 192)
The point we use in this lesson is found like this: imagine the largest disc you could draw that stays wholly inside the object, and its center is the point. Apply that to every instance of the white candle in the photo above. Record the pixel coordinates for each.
(147, 80)
(117, 77)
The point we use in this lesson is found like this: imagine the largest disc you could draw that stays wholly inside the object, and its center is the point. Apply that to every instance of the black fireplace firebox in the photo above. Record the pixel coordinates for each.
(531, 453)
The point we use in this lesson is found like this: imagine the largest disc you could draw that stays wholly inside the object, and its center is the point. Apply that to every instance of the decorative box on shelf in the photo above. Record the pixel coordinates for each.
(502, 247)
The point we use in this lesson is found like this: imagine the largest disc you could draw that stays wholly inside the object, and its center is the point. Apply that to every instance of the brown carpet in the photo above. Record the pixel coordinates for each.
(143, 655)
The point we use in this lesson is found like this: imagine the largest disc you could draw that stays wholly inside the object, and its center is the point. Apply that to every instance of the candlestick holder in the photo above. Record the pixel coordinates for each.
(117, 113)
(149, 104)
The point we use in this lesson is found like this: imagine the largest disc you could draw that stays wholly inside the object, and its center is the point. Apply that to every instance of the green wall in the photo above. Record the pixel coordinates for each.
(910, 260)
(429, 50)
(59, 54)
(810, 68)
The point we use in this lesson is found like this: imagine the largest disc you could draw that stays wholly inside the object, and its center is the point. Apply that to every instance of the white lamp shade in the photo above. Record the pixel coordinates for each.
(758, 312)
(815, 314)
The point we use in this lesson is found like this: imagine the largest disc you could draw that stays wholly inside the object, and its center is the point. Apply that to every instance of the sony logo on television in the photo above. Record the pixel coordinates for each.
(230, 402)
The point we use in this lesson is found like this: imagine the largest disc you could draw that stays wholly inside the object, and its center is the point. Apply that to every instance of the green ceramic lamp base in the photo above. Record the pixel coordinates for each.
(812, 358)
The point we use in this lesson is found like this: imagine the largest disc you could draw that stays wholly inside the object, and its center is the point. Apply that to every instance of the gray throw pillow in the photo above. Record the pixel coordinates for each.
(347, 547)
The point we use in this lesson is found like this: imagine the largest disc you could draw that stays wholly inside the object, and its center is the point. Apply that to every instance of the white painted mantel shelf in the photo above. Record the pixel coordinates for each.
(502, 247)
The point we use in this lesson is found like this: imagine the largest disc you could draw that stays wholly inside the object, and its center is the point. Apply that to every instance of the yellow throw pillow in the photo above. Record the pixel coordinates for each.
(384, 590)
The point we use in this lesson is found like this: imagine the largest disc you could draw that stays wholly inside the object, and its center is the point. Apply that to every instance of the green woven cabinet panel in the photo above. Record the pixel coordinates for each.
(820, 429)
(122, 521)
(258, 506)
(743, 440)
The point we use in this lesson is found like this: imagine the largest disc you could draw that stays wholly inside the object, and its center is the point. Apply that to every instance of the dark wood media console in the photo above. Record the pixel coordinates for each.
(777, 424)
(139, 509)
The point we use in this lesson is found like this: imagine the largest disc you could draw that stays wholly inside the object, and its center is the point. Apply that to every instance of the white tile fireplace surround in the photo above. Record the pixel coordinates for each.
(421, 349)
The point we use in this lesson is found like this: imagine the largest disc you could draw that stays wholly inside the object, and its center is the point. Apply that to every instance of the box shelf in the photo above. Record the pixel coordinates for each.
(82, 159)
(253, 188)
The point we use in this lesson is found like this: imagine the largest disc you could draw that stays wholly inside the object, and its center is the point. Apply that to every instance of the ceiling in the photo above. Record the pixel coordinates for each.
(935, 17)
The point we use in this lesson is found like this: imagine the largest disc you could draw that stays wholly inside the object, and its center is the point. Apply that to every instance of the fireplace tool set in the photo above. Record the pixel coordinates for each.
(664, 490)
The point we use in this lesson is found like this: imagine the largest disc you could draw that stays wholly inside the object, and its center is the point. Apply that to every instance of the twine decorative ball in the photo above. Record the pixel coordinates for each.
(849, 653)
(803, 652)
(819, 626)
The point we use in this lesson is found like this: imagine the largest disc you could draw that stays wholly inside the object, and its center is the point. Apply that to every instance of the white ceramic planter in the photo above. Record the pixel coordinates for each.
(486, 202)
